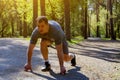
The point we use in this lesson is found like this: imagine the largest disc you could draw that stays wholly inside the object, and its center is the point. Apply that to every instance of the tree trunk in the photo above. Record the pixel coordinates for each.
(12, 26)
(88, 26)
(107, 28)
(35, 12)
(97, 16)
(67, 19)
(107, 21)
(25, 24)
(85, 29)
(42, 7)
(111, 21)
(25, 27)
(2, 31)
(21, 29)
(118, 29)
(4, 25)
(82, 17)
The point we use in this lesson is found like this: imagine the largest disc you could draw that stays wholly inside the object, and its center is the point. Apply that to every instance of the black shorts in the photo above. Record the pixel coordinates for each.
(65, 46)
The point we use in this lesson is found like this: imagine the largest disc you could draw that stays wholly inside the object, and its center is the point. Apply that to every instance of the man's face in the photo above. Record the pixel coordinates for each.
(42, 27)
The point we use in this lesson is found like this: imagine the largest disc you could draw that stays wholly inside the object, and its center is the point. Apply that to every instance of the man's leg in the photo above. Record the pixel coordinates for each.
(68, 56)
(44, 50)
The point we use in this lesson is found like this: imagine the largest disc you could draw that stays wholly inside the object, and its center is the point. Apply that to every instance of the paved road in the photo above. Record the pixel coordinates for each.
(96, 60)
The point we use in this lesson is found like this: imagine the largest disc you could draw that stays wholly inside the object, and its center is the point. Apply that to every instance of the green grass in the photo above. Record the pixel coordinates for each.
(76, 40)
(28, 38)
(118, 39)
(73, 41)
(105, 38)
(109, 38)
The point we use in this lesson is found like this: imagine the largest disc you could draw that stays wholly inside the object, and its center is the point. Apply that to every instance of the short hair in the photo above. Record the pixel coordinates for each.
(42, 18)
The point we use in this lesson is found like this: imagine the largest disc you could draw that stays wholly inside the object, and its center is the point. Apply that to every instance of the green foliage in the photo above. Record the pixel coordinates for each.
(102, 15)
(75, 18)
(12, 14)
(54, 9)
(93, 24)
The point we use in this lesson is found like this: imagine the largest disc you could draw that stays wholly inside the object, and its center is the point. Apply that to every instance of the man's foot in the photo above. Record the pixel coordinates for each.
(47, 67)
(73, 61)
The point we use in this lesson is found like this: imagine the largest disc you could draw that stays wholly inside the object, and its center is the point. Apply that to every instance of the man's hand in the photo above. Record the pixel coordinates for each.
(62, 70)
(28, 67)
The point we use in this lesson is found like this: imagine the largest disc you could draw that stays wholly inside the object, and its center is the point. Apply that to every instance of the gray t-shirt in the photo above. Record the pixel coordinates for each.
(55, 33)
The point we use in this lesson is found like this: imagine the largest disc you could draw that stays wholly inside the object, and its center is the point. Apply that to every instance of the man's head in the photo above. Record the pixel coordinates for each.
(42, 23)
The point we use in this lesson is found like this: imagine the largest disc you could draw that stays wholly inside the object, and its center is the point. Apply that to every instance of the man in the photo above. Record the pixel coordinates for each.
(49, 31)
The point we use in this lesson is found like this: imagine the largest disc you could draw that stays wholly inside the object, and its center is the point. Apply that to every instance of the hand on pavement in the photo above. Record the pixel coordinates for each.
(63, 70)
(28, 67)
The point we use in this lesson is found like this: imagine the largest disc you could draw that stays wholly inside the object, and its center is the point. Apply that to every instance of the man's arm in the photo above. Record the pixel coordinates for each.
(29, 56)
(33, 41)
(29, 53)
(60, 54)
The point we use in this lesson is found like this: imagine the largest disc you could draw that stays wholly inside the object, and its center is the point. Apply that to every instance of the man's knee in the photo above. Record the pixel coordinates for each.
(43, 43)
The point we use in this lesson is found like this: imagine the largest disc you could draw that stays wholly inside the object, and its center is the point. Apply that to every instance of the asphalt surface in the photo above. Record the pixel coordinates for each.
(96, 60)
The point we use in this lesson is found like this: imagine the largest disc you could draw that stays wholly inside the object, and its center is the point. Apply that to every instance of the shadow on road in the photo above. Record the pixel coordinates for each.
(99, 50)
(13, 56)
(44, 76)
(72, 74)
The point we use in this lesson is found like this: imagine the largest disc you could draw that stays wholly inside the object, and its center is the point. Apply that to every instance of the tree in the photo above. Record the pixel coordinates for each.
(67, 19)
(117, 17)
(97, 16)
(25, 26)
(42, 7)
(24, 22)
(111, 20)
(73, 16)
(107, 27)
(85, 27)
(35, 12)
(82, 17)
(4, 18)
(76, 18)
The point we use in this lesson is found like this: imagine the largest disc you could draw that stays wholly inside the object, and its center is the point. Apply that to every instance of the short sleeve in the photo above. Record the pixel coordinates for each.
(34, 36)
(58, 38)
